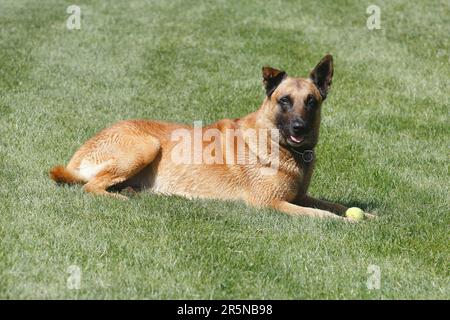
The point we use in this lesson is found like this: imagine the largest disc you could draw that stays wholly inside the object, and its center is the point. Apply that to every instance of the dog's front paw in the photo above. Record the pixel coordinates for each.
(370, 216)
(350, 220)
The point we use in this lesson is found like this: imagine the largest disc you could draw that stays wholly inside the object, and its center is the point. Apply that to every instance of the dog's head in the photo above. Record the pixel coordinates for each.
(293, 104)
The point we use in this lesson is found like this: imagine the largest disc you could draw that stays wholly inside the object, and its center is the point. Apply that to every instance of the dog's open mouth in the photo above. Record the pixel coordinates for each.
(295, 141)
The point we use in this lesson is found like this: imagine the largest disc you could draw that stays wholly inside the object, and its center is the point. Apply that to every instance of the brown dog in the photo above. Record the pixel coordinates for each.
(140, 153)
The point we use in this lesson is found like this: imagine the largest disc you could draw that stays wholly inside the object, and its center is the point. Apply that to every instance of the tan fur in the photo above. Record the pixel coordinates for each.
(137, 154)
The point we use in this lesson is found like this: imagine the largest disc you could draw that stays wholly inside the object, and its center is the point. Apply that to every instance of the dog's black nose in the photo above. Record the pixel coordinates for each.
(297, 126)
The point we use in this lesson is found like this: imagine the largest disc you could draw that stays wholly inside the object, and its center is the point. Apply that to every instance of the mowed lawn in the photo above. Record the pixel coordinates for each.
(384, 147)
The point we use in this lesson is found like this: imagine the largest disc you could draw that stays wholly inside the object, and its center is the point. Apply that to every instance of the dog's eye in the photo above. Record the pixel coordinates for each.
(285, 102)
(311, 101)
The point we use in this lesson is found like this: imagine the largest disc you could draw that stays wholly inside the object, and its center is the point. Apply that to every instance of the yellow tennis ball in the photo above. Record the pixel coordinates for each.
(355, 214)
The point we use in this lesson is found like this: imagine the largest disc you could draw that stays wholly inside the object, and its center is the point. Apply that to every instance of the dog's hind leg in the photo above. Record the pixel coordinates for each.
(126, 160)
(102, 181)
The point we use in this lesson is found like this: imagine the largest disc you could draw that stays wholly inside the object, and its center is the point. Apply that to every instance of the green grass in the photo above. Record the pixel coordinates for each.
(384, 147)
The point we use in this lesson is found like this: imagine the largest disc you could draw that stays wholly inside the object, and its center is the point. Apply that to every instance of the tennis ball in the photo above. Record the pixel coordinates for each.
(355, 214)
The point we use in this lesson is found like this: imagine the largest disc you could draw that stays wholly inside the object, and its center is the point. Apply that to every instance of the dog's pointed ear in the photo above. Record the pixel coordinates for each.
(272, 78)
(322, 75)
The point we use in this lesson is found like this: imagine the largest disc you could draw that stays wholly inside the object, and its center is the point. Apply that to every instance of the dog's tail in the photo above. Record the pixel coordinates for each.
(61, 174)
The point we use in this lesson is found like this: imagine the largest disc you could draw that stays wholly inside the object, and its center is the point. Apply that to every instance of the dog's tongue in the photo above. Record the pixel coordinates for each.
(296, 140)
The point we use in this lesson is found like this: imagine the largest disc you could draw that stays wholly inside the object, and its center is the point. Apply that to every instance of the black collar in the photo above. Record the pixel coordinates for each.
(307, 155)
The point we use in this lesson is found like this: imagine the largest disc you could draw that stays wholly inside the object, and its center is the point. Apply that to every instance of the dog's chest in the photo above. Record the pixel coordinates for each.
(293, 176)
